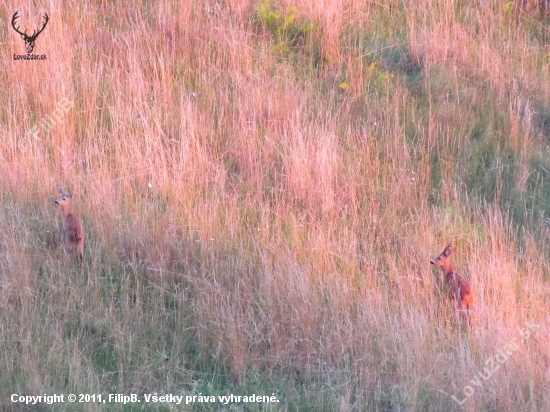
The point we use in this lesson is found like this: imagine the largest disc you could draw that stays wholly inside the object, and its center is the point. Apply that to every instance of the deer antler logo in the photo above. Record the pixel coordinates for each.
(29, 40)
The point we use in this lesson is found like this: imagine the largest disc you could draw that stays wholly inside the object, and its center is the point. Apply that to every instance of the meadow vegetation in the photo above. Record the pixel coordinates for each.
(263, 184)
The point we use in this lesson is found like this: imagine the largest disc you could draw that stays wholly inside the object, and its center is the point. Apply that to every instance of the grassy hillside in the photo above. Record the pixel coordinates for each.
(262, 186)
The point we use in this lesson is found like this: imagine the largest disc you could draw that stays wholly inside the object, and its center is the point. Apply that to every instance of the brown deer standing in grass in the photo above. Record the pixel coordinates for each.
(458, 288)
(73, 231)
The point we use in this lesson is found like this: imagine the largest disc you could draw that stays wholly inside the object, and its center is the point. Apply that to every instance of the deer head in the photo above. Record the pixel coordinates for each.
(29, 40)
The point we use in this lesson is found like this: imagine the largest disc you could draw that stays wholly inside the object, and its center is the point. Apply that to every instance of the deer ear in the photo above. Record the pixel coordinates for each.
(448, 250)
(61, 190)
(70, 195)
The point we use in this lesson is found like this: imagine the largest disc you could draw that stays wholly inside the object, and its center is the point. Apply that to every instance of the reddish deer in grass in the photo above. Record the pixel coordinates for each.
(458, 288)
(73, 231)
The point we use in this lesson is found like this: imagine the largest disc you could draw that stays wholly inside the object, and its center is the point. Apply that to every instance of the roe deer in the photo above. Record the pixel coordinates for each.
(458, 288)
(73, 231)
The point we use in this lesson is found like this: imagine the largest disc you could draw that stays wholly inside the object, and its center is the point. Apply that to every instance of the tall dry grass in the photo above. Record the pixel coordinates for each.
(260, 218)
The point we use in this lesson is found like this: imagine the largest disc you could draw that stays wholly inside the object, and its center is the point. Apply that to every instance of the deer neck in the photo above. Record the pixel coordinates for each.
(447, 268)
(66, 209)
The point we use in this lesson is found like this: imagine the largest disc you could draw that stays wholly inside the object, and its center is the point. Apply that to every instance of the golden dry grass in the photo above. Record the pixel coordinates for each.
(261, 210)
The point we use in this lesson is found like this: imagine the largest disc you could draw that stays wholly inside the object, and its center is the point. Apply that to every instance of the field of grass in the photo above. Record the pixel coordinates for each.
(263, 185)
